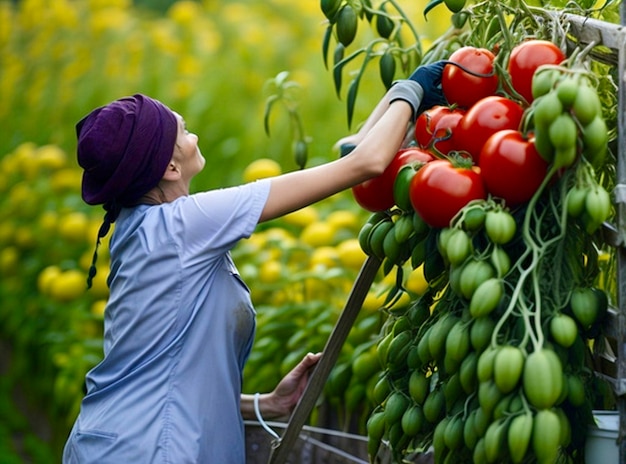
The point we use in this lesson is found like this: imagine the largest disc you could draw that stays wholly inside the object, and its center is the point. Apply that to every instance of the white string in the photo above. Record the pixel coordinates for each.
(257, 411)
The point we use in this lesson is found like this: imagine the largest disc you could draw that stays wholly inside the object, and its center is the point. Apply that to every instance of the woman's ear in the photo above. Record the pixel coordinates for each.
(172, 172)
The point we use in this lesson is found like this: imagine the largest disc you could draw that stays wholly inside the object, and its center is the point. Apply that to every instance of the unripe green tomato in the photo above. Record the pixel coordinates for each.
(413, 420)
(500, 261)
(539, 383)
(547, 109)
(495, 437)
(566, 428)
(565, 157)
(544, 81)
(470, 437)
(434, 406)
(481, 333)
(382, 389)
(486, 297)
(595, 139)
(479, 451)
(459, 19)
(508, 367)
(484, 368)
(575, 390)
(442, 240)
(563, 132)
(488, 395)
(575, 200)
(500, 226)
(395, 405)
(586, 106)
(598, 204)
(453, 435)
(563, 330)
(419, 385)
(458, 341)
(439, 443)
(473, 218)
(543, 144)
(376, 425)
(546, 435)
(481, 422)
(467, 372)
(519, 434)
(586, 306)
(474, 273)
(458, 246)
(567, 90)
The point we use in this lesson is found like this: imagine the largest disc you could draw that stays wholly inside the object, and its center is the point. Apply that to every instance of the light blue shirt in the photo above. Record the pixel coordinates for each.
(179, 325)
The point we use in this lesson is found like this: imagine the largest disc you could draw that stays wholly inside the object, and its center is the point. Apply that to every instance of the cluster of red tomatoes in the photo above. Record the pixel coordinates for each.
(472, 148)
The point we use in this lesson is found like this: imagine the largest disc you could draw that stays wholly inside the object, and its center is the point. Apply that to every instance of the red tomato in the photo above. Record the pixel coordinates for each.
(483, 119)
(376, 194)
(511, 166)
(426, 122)
(524, 60)
(441, 130)
(462, 88)
(440, 190)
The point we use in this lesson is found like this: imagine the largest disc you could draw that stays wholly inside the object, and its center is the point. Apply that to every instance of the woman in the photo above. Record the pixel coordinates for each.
(179, 323)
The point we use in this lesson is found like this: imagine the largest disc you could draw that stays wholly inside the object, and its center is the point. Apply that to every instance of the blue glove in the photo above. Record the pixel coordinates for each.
(346, 149)
(429, 78)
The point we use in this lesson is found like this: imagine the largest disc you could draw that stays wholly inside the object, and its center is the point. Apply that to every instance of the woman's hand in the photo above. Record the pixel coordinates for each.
(283, 399)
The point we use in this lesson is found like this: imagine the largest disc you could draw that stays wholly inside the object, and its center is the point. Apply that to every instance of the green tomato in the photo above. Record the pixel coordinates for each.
(474, 273)
(563, 330)
(500, 226)
(598, 204)
(586, 106)
(575, 200)
(563, 132)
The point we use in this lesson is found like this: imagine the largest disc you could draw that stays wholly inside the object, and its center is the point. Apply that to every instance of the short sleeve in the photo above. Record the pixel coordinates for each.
(217, 219)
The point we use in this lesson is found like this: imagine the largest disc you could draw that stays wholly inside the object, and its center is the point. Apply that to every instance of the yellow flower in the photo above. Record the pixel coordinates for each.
(185, 12)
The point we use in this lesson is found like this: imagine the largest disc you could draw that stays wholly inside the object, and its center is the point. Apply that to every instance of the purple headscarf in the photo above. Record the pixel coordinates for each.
(124, 148)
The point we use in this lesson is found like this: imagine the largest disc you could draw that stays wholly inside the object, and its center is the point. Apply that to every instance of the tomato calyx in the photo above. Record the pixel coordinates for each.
(460, 159)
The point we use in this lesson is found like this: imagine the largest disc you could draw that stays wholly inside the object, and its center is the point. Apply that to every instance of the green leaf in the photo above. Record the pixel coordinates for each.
(266, 116)
(338, 67)
(432, 4)
(326, 44)
(352, 91)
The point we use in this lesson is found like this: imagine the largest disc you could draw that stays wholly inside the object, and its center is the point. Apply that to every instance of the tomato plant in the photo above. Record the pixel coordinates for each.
(376, 194)
(511, 167)
(462, 88)
(524, 60)
(440, 189)
(486, 117)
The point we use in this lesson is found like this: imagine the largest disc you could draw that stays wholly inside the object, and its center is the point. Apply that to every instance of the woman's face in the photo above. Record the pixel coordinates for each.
(186, 152)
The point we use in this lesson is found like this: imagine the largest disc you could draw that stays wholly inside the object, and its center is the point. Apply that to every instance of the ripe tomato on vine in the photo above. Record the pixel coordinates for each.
(464, 88)
(526, 58)
(440, 189)
(376, 194)
(483, 119)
